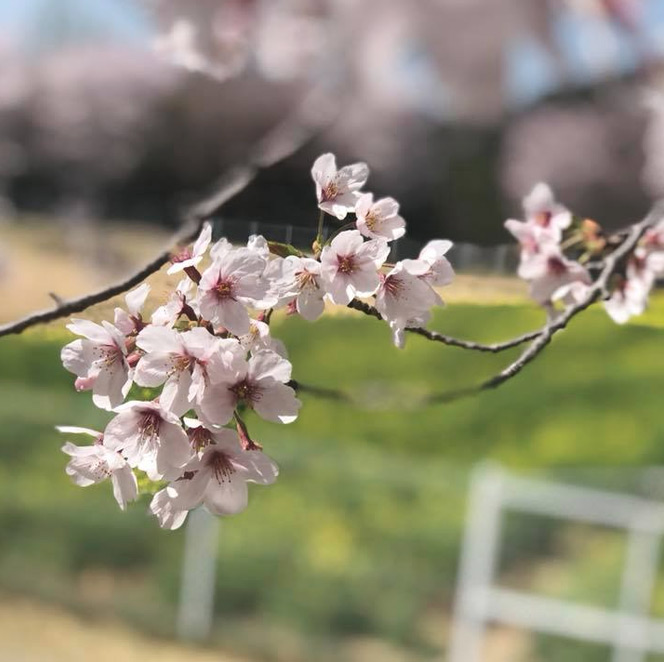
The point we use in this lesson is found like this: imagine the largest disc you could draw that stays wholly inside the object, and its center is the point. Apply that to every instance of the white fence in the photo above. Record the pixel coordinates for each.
(628, 630)
(502, 259)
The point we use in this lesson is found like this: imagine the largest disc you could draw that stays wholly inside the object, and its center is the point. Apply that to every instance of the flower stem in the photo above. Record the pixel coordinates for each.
(348, 226)
(318, 244)
(319, 233)
(248, 444)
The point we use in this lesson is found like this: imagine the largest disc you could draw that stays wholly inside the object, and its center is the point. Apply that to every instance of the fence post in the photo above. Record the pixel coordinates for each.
(196, 606)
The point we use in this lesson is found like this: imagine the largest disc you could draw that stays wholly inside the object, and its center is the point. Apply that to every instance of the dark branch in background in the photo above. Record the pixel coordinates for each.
(321, 392)
(313, 114)
(66, 308)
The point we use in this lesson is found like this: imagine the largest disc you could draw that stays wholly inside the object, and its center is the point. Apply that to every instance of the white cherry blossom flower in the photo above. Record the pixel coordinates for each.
(542, 210)
(629, 296)
(572, 293)
(233, 282)
(404, 295)
(338, 190)
(99, 361)
(259, 384)
(217, 478)
(542, 231)
(164, 507)
(349, 266)
(379, 219)
(260, 338)
(169, 313)
(399, 330)
(192, 256)
(628, 299)
(273, 274)
(532, 240)
(130, 321)
(184, 362)
(440, 270)
(93, 464)
(647, 261)
(259, 244)
(150, 438)
(653, 239)
(550, 270)
(302, 284)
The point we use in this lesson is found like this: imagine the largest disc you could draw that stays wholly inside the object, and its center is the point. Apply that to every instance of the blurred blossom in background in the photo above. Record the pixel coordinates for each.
(458, 107)
(117, 114)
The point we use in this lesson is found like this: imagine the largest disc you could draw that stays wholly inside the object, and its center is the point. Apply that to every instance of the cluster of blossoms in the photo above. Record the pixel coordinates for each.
(555, 246)
(207, 354)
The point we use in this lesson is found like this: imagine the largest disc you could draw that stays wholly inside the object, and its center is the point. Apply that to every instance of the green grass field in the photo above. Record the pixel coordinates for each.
(360, 535)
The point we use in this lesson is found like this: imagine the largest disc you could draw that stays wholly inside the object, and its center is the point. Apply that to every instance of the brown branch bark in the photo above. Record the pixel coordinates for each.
(435, 336)
(281, 142)
(596, 291)
(539, 339)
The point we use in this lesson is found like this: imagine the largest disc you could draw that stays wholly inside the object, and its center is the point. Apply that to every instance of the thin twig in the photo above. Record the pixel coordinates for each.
(66, 308)
(320, 392)
(493, 348)
(434, 336)
(596, 291)
(280, 143)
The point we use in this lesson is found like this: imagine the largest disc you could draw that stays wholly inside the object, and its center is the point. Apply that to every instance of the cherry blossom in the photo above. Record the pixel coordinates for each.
(93, 464)
(216, 478)
(130, 321)
(184, 362)
(542, 231)
(532, 240)
(260, 384)
(405, 295)
(543, 211)
(211, 351)
(177, 304)
(99, 361)
(338, 190)
(548, 271)
(629, 298)
(233, 282)
(191, 257)
(379, 219)
(302, 284)
(150, 438)
(349, 266)
(259, 337)
(653, 239)
(440, 270)
(571, 294)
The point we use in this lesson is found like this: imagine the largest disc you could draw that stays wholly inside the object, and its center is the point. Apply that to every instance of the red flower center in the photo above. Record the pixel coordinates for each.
(346, 264)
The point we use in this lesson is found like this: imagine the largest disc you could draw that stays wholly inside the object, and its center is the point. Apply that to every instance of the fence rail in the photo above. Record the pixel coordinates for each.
(499, 259)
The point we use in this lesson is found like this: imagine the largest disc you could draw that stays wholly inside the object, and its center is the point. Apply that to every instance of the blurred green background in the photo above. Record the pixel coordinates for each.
(357, 544)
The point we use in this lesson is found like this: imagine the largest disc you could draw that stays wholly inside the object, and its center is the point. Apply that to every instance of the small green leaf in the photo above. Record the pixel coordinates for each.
(283, 250)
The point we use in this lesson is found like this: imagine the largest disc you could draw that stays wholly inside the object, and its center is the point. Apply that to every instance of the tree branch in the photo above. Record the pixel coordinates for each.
(434, 336)
(540, 338)
(280, 143)
(66, 308)
(596, 291)
(321, 392)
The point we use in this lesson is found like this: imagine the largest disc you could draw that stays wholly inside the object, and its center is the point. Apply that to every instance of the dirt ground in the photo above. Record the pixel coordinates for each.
(31, 631)
(38, 258)
(34, 632)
